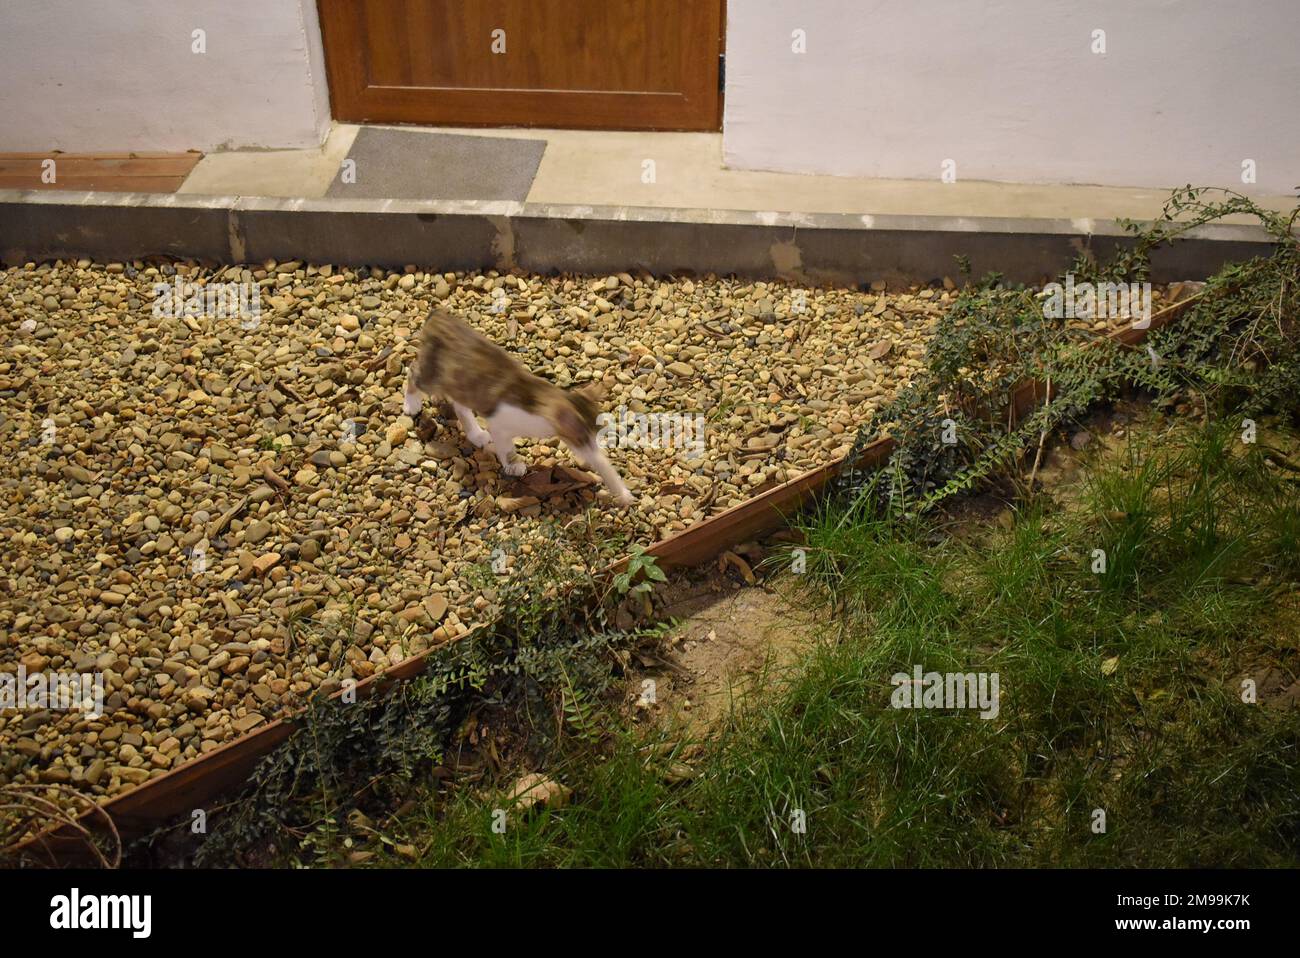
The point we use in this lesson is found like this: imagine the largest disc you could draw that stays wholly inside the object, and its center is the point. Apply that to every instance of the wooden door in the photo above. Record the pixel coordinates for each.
(594, 64)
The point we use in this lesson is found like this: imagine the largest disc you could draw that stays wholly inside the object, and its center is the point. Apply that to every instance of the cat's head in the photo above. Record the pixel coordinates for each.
(574, 414)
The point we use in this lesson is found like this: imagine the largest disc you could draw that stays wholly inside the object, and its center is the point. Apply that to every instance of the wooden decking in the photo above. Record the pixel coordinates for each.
(115, 172)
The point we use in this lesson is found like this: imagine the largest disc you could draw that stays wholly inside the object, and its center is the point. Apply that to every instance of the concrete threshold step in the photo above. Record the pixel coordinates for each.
(813, 248)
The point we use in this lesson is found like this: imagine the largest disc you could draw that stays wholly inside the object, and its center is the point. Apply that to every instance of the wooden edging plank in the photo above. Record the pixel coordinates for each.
(110, 172)
(191, 785)
(99, 183)
(194, 783)
(1028, 395)
(175, 165)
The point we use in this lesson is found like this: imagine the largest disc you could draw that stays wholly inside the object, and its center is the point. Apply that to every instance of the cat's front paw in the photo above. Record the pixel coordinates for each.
(625, 499)
(515, 469)
(411, 405)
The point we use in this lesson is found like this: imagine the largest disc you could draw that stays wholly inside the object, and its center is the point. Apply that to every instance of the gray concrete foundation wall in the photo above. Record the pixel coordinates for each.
(813, 248)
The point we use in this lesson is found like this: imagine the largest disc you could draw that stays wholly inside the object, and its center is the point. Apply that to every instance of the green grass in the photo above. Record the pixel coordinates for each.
(1119, 692)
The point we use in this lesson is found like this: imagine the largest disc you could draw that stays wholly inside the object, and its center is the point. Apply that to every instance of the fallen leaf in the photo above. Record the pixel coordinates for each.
(536, 789)
(678, 772)
(740, 565)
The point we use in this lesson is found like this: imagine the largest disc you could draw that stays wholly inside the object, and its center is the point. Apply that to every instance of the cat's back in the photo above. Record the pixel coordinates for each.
(465, 364)
(457, 341)
(451, 332)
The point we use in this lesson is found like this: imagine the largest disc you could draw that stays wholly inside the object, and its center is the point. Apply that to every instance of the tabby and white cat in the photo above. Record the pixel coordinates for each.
(478, 376)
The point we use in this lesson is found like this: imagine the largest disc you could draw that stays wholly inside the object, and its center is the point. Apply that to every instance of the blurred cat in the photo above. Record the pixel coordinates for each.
(478, 376)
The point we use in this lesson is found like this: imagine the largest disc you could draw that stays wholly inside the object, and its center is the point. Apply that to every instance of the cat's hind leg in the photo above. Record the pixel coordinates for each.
(503, 444)
(505, 454)
(475, 433)
(506, 424)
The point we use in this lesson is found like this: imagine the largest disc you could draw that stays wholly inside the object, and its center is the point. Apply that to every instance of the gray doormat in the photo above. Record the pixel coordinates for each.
(420, 165)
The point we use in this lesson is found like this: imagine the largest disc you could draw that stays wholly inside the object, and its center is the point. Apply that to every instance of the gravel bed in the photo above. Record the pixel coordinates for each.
(223, 516)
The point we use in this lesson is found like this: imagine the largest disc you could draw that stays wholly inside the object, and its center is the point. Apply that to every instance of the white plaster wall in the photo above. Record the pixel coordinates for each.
(1010, 90)
(109, 75)
(311, 38)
